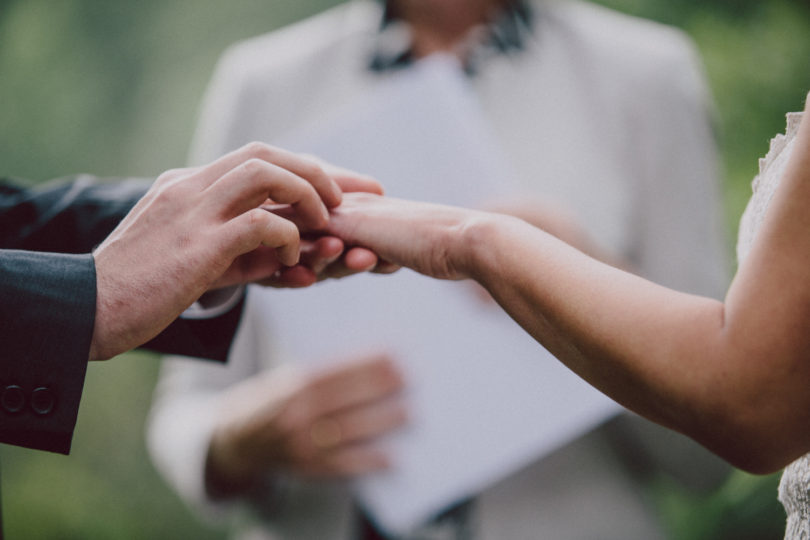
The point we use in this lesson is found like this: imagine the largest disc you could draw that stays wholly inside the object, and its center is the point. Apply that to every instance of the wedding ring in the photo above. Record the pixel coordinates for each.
(325, 433)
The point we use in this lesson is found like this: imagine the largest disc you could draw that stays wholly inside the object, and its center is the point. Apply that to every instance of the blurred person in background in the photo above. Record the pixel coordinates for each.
(574, 94)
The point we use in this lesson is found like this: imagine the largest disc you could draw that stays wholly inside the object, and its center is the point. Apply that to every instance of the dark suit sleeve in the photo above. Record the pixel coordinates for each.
(48, 309)
(71, 215)
(48, 299)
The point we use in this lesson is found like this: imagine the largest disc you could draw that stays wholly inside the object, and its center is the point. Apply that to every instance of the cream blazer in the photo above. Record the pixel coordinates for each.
(596, 97)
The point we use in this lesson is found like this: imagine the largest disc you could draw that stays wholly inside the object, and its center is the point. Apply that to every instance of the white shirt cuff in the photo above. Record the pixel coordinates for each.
(215, 303)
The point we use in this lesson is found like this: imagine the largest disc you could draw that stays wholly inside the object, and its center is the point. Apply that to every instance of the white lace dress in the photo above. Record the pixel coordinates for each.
(794, 489)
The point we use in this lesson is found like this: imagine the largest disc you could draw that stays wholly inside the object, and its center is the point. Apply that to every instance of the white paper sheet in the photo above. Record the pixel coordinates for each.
(485, 399)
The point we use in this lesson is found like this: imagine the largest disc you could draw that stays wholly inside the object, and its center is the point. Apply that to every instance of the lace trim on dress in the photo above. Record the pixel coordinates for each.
(764, 184)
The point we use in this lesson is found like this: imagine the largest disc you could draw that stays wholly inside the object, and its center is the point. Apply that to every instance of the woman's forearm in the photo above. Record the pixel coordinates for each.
(642, 344)
(731, 375)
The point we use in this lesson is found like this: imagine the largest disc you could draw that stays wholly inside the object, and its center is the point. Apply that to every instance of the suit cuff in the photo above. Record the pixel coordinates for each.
(49, 306)
(208, 338)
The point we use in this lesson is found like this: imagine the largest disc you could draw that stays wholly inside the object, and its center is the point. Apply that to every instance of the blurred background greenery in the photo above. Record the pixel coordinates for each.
(113, 88)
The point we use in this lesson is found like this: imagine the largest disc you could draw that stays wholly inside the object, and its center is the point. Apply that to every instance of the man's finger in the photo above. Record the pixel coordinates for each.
(307, 169)
(385, 267)
(257, 227)
(351, 182)
(358, 259)
(348, 180)
(251, 183)
(319, 253)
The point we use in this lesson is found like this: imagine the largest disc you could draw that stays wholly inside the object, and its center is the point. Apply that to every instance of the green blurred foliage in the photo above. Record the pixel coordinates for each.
(757, 59)
(113, 88)
(744, 508)
(106, 488)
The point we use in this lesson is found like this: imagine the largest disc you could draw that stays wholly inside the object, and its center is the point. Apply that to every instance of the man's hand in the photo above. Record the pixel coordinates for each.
(322, 257)
(204, 228)
(321, 424)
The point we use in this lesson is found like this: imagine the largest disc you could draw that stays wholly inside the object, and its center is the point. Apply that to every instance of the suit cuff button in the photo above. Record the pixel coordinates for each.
(13, 399)
(42, 400)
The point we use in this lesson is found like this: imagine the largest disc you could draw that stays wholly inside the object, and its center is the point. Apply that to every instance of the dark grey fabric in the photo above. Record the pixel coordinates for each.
(506, 33)
(48, 303)
(46, 322)
(48, 300)
(69, 215)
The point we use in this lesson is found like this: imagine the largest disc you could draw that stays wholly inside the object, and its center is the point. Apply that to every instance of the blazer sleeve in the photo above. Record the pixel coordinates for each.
(48, 299)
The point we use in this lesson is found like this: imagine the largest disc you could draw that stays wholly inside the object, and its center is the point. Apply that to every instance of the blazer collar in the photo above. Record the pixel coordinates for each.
(506, 34)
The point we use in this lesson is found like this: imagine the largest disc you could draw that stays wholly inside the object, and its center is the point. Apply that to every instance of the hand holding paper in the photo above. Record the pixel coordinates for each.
(321, 424)
(469, 367)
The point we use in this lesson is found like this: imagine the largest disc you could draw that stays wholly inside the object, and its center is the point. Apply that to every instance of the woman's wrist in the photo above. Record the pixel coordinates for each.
(474, 252)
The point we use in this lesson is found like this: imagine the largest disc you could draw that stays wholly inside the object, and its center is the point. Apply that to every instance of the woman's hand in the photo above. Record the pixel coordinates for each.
(429, 238)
